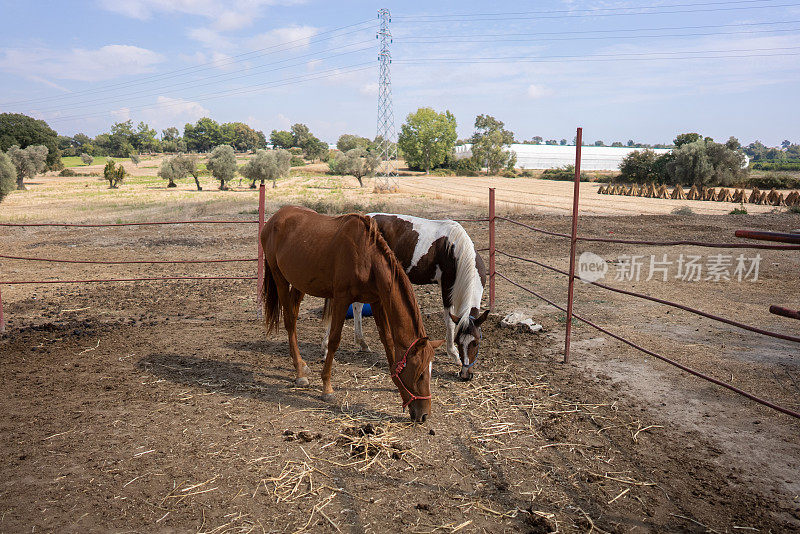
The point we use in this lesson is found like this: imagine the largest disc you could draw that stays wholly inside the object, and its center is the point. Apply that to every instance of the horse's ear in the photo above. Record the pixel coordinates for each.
(455, 318)
(481, 318)
(436, 343)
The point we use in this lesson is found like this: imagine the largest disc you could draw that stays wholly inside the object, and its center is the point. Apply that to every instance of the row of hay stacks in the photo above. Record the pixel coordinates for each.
(771, 198)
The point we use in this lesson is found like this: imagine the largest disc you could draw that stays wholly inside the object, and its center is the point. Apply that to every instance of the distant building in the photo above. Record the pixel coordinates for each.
(593, 158)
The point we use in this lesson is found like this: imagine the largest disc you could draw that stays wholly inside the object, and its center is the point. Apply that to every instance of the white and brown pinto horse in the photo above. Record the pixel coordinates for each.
(345, 259)
(439, 252)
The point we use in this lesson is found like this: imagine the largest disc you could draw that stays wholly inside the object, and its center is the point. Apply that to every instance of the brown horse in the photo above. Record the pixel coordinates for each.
(345, 259)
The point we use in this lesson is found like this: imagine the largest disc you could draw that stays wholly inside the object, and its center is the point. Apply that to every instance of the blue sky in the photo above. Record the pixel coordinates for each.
(621, 69)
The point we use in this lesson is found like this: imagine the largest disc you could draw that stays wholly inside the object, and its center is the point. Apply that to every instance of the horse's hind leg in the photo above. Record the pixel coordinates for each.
(290, 300)
(337, 311)
(357, 311)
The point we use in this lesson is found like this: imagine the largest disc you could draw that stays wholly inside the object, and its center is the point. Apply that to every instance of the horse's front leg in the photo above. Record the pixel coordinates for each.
(338, 310)
(357, 326)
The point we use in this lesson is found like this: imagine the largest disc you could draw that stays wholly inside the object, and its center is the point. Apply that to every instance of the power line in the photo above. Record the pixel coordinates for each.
(590, 13)
(228, 77)
(210, 64)
(330, 73)
(552, 59)
(494, 38)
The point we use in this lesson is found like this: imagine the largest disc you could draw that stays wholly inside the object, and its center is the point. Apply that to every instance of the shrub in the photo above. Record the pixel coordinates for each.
(8, 176)
(741, 210)
(465, 167)
(443, 172)
(780, 165)
(222, 164)
(528, 173)
(683, 210)
(297, 161)
(135, 159)
(337, 165)
(87, 159)
(773, 180)
(565, 173)
(794, 209)
(68, 172)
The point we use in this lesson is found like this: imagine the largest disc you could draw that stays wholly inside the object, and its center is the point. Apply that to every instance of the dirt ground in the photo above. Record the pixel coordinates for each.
(162, 407)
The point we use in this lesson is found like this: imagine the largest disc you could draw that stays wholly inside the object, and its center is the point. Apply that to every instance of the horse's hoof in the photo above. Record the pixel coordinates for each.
(302, 381)
(329, 397)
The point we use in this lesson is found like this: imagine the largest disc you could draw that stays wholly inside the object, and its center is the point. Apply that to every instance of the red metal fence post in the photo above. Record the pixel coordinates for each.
(491, 248)
(260, 280)
(2, 320)
(573, 240)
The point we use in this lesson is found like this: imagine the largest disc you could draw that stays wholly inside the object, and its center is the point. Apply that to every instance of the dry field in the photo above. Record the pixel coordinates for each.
(162, 407)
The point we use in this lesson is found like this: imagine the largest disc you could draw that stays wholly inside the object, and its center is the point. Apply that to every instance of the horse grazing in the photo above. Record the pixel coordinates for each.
(345, 259)
(439, 252)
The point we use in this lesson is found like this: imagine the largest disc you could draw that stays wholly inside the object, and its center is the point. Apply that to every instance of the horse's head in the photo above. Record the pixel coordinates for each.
(468, 339)
(415, 378)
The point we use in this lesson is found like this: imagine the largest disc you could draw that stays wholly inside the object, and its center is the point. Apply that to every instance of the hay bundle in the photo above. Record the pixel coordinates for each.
(693, 193)
(662, 192)
(636, 191)
(627, 191)
(710, 194)
(602, 190)
(793, 199)
(754, 196)
(724, 195)
(772, 196)
(778, 200)
(762, 198)
(677, 193)
(739, 196)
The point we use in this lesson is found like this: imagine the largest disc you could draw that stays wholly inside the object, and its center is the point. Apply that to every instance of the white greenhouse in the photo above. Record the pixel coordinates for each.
(593, 158)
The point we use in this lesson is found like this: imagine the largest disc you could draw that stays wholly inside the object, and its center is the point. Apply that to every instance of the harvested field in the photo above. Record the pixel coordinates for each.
(162, 406)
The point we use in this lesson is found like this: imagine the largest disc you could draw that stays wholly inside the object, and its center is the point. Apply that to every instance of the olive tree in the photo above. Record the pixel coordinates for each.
(135, 159)
(8, 176)
(222, 164)
(87, 159)
(267, 165)
(360, 163)
(28, 162)
(177, 168)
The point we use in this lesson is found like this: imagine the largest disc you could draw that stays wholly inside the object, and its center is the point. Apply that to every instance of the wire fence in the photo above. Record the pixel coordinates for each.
(793, 239)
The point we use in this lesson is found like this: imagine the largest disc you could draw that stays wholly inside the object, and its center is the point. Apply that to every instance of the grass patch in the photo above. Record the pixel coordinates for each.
(683, 210)
(339, 205)
(75, 161)
(741, 210)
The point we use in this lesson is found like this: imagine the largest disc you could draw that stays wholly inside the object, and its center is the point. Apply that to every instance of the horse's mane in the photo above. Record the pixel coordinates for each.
(467, 285)
(398, 275)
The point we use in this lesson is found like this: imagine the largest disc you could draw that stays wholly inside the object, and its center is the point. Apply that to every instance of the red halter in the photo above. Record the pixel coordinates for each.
(396, 374)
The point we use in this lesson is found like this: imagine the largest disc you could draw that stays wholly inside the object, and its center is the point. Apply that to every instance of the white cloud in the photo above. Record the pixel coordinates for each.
(121, 114)
(538, 91)
(223, 15)
(370, 89)
(282, 122)
(296, 35)
(170, 111)
(105, 63)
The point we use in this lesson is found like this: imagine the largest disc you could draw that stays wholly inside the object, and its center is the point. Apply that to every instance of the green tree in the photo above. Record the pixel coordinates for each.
(113, 174)
(349, 142)
(87, 159)
(170, 134)
(24, 131)
(315, 149)
(281, 139)
(145, 139)
(267, 165)
(28, 161)
(121, 139)
(222, 164)
(300, 135)
(685, 138)
(637, 167)
(617, 144)
(489, 142)
(177, 168)
(427, 138)
(202, 136)
(8, 176)
(135, 159)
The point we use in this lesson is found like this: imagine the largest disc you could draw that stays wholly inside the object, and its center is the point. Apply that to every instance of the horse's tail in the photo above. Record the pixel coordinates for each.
(269, 296)
(326, 315)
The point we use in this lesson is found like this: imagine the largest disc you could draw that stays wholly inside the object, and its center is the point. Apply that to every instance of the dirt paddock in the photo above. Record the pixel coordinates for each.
(162, 407)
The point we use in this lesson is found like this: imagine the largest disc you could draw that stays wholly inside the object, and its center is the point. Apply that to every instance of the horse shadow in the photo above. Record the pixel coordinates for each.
(246, 380)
